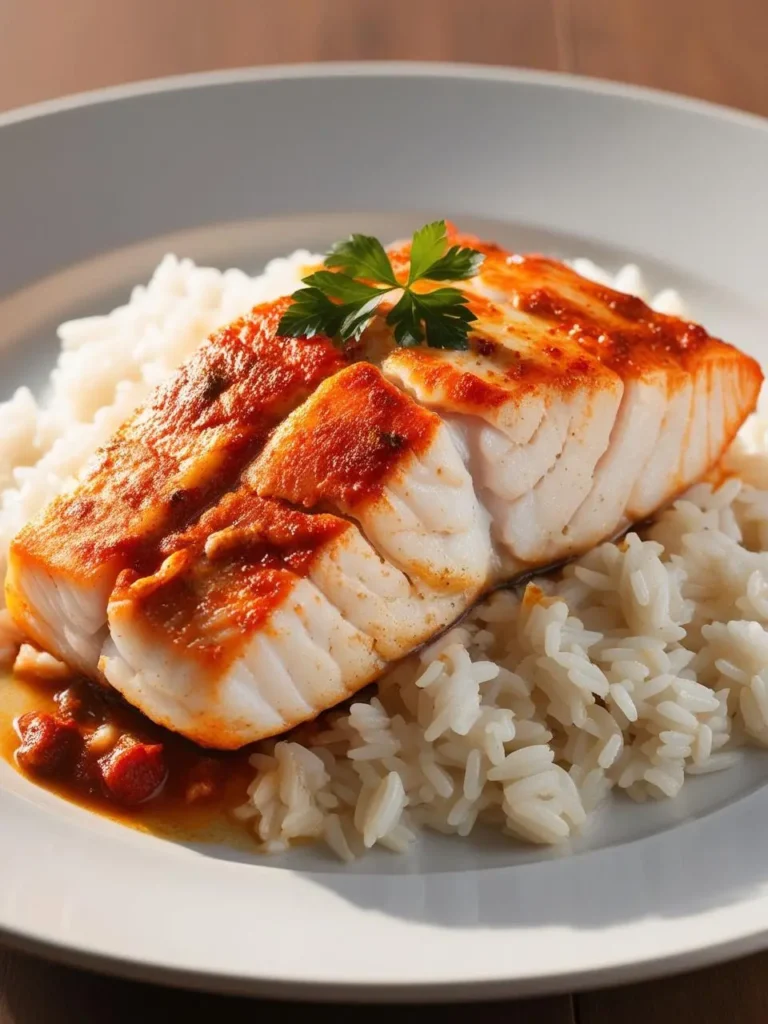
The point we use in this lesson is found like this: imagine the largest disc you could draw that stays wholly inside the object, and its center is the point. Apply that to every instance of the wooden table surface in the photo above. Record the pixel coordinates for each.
(715, 49)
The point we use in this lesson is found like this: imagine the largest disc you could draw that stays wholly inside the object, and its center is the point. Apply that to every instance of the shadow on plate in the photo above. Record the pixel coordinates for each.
(704, 850)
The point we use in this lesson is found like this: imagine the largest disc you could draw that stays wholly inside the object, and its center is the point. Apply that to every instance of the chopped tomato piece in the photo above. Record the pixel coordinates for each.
(48, 744)
(132, 771)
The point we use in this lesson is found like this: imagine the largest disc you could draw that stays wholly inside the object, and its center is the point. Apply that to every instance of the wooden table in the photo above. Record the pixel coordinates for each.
(716, 49)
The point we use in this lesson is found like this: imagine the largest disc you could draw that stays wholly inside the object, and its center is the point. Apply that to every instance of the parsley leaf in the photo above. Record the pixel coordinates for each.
(342, 287)
(456, 265)
(441, 316)
(312, 313)
(359, 318)
(431, 262)
(362, 256)
(427, 246)
(338, 304)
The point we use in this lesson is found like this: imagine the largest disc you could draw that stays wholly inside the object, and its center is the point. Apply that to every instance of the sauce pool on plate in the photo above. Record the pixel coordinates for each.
(95, 751)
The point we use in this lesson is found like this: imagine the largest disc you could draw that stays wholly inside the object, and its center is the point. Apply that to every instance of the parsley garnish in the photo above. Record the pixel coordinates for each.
(341, 302)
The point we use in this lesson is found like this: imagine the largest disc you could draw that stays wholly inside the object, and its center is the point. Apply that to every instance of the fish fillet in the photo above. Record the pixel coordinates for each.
(363, 448)
(337, 511)
(262, 615)
(177, 454)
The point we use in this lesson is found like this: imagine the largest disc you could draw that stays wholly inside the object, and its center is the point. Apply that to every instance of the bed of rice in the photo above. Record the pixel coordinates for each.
(644, 662)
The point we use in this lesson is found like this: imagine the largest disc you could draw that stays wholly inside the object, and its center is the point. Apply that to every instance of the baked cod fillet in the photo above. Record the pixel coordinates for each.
(171, 460)
(579, 409)
(235, 566)
(262, 615)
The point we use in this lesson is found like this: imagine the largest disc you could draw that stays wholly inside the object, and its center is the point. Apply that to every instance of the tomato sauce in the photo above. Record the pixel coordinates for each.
(199, 789)
(345, 443)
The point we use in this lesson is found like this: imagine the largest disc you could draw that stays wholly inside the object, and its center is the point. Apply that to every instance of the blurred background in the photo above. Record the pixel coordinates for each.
(715, 49)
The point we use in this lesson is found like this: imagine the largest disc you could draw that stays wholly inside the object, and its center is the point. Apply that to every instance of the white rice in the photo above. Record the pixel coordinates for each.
(645, 662)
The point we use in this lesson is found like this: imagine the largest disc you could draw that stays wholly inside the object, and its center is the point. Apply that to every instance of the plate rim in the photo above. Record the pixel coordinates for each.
(77, 953)
(381, 68)
(400, 993)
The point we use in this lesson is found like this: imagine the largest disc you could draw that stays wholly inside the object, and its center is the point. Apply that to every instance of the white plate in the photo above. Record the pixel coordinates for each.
(234, 168)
